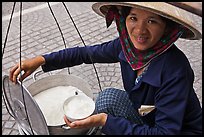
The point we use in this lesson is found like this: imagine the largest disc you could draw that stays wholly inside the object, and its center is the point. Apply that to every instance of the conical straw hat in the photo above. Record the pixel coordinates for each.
(169, 11)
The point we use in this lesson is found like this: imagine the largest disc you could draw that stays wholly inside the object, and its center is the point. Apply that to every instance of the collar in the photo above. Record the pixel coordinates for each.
(154, 71)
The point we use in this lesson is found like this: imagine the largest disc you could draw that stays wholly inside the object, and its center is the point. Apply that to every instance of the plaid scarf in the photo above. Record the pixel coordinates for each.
(137, 58)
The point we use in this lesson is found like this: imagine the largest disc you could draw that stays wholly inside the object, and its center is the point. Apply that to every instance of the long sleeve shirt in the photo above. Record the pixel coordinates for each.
(167, 85)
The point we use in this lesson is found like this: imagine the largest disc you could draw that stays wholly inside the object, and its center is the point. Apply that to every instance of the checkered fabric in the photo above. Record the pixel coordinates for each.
(116, 102)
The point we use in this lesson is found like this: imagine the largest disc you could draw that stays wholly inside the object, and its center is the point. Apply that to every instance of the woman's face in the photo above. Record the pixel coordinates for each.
(144, 28)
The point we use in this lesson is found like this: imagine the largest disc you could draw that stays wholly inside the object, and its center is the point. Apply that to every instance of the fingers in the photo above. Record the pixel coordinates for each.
(75, 124)
(91, 121)
(84, 123)
(14, 73)
(68, 122)
(28, 66)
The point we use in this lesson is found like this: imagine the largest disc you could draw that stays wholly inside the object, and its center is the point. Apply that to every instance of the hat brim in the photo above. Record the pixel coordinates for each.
(166, 10)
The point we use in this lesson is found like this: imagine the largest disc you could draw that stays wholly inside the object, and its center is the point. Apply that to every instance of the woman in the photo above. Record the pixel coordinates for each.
(158, 80)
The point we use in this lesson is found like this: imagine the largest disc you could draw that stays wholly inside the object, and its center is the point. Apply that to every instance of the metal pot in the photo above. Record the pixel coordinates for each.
(62, 80)
(37, 120)
(59, 80)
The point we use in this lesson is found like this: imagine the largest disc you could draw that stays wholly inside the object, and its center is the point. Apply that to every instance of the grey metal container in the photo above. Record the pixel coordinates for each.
(20, 103)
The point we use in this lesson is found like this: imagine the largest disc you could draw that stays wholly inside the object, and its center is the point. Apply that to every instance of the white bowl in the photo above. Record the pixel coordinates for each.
(78, 107)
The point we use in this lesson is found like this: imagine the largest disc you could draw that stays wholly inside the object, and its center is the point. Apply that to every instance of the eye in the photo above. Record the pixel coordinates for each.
(132, 18)
(152, 21)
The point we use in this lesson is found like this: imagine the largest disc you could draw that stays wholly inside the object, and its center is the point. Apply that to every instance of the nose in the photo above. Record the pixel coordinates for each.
(141, 28)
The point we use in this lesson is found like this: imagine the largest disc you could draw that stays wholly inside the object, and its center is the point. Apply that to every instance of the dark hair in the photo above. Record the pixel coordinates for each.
(125, 11)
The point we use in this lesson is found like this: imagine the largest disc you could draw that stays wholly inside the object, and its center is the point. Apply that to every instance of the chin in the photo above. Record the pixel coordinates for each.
(141, 47)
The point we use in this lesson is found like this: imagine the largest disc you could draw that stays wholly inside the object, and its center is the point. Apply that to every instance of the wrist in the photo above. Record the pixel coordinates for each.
(40, 60)
(104, 118)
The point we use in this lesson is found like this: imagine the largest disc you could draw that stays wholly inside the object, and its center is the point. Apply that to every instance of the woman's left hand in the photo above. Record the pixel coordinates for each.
(92, 121)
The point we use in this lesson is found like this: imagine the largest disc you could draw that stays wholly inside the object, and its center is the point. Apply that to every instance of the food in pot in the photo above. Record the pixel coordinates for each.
(51, 102)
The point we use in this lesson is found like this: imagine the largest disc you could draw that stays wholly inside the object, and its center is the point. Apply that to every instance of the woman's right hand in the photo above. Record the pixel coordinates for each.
(28, 66)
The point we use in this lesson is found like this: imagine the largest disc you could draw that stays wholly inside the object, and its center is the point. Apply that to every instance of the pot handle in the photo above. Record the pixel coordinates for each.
(38, 72)
(65, 127)
(92, 131)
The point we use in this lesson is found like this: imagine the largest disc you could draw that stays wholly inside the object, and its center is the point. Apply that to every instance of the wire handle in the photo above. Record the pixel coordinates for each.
(38, 72)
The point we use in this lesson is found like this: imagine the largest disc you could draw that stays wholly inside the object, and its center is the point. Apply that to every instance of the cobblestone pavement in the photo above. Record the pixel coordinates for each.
(40, 35)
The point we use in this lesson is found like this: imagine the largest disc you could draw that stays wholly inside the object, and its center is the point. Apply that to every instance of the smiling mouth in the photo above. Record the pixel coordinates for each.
(140, 39)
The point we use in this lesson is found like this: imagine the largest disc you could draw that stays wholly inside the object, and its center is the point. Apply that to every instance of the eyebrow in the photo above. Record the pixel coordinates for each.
(152, 16)
(132, 14)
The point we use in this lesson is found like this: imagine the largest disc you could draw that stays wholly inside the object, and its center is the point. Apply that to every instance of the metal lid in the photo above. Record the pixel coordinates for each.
(24, 108)
(18, 99)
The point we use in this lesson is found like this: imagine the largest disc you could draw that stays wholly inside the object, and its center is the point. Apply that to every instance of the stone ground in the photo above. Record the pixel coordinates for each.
(40, 35)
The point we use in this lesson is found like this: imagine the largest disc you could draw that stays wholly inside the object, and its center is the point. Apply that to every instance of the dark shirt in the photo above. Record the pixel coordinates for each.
(167, 84)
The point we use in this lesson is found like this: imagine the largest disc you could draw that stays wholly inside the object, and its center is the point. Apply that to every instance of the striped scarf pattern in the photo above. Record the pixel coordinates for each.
(137, 58)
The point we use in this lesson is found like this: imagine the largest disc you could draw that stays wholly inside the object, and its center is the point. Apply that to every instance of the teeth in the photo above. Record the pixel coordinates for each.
(141, 39)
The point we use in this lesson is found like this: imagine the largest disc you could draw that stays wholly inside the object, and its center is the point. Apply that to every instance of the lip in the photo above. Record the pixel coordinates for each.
(141, 39)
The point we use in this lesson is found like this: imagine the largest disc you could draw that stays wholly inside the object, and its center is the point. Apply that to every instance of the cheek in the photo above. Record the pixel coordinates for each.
(158, 32)
(128, 28)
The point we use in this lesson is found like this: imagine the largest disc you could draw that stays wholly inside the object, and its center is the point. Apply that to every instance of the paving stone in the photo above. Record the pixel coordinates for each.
(41, 35)
(6, 131)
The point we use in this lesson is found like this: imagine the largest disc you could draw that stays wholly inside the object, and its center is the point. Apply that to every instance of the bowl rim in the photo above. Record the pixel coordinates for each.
(71, 118)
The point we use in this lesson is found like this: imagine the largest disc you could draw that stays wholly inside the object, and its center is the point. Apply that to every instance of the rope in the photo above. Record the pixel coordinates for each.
(21, 71)
(3, 54)
(21, 83)
(8, 29)
(58, 28)
(84, 44)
